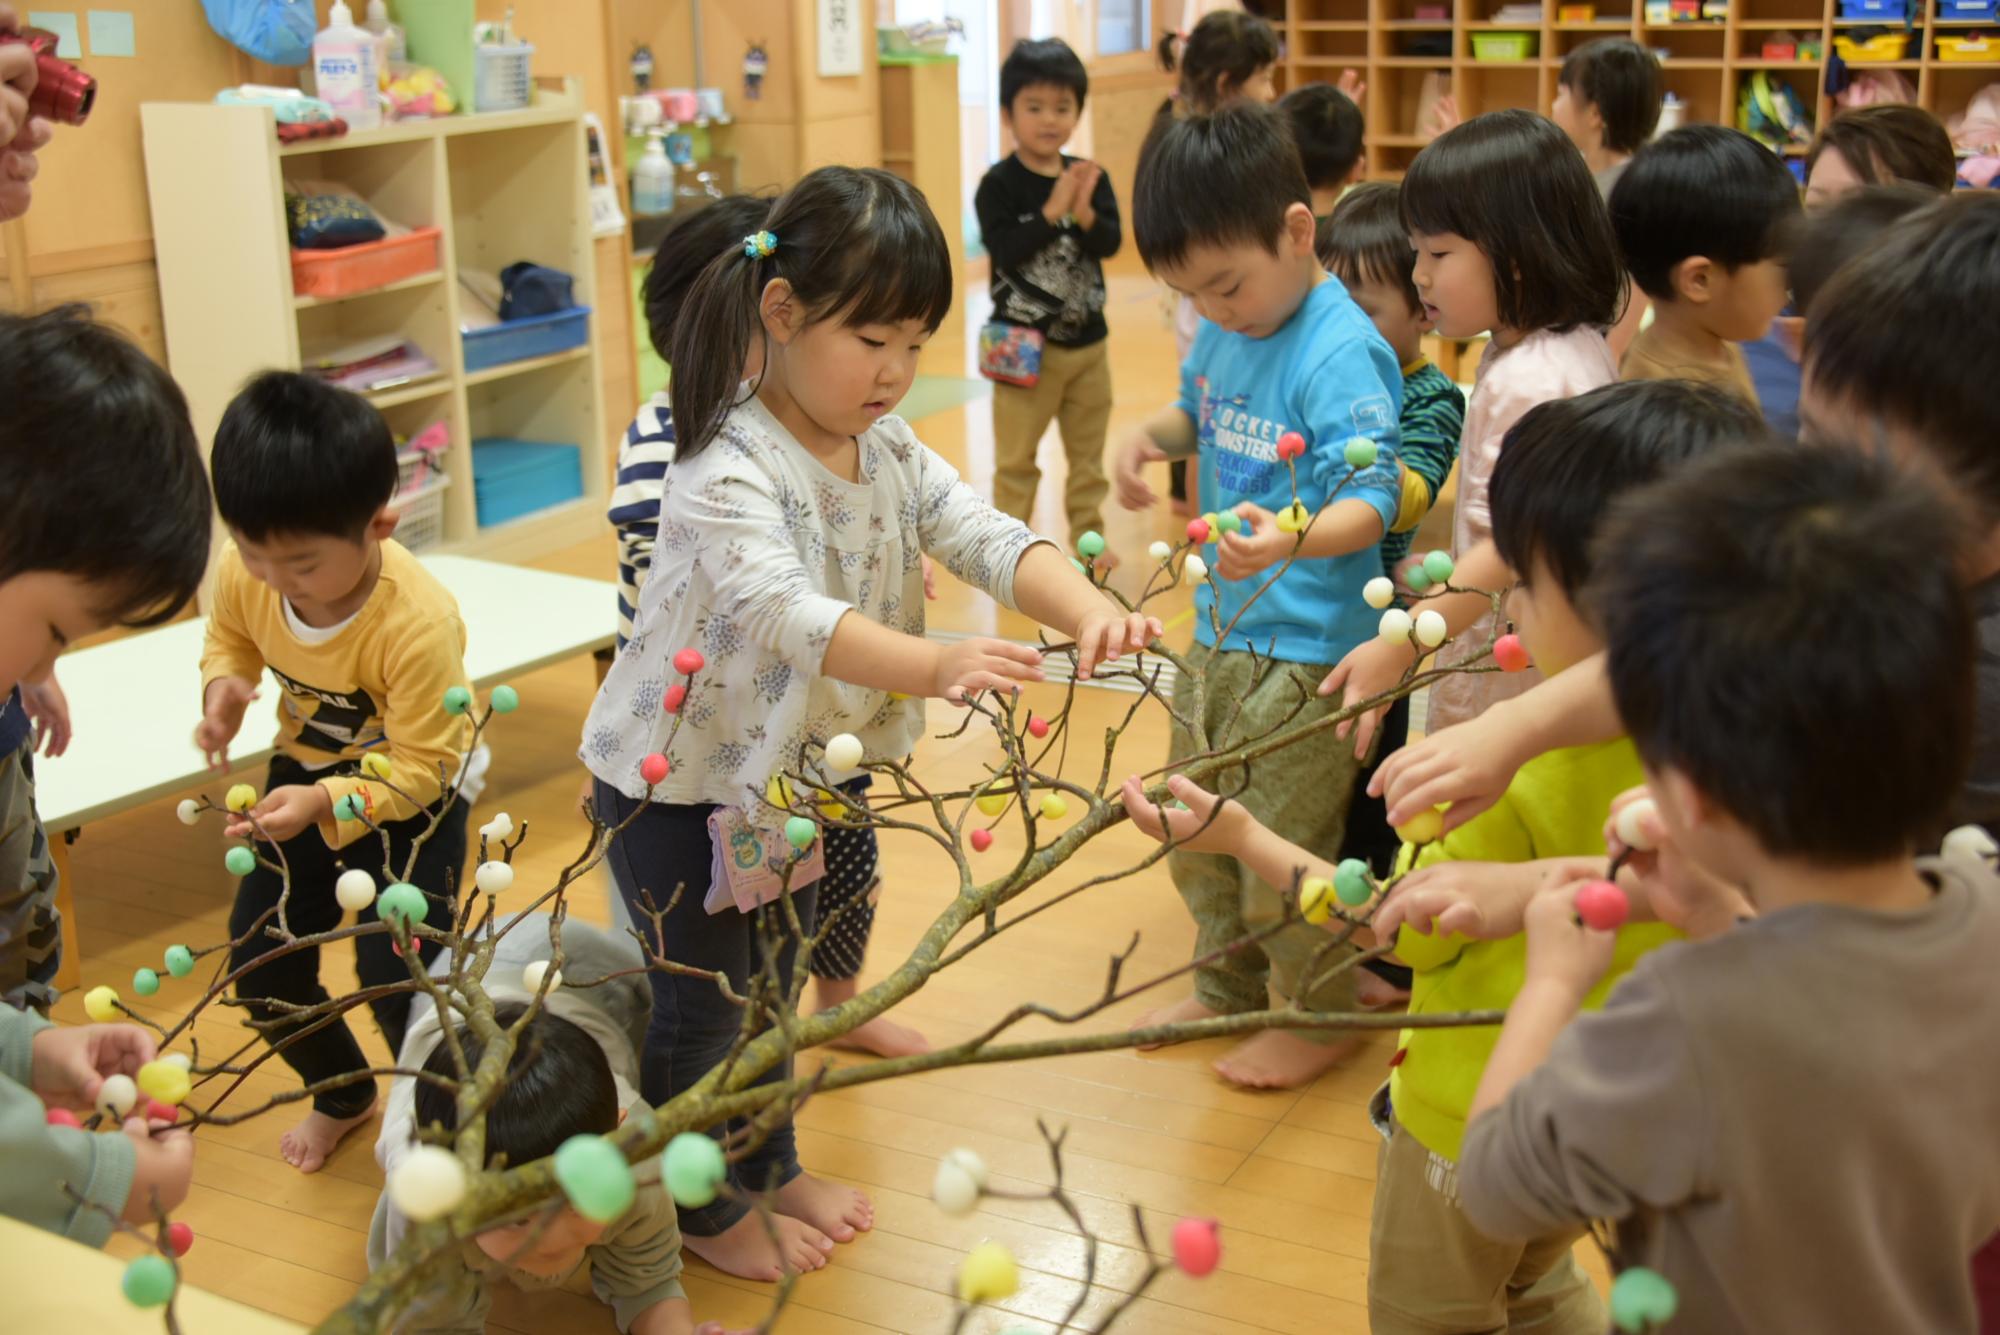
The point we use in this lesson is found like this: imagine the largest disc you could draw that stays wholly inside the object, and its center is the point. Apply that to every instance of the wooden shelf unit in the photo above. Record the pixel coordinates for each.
(499, 187)
(1706, 62)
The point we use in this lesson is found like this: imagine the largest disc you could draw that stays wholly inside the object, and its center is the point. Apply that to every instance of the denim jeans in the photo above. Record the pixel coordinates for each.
(693, 1025)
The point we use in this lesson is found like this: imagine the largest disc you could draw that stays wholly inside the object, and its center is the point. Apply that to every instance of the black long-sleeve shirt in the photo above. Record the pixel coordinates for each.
(1046, 275)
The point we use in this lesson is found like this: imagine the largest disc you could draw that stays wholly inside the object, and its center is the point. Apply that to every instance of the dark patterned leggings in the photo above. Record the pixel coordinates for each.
(848, 889)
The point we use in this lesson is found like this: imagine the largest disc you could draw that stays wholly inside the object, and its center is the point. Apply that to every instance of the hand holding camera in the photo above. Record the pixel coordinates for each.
(38, 90)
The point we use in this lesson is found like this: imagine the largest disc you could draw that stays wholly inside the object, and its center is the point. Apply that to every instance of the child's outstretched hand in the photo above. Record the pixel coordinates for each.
(1562, 952)
(1102, 636)
(162, 1169)
(1468, 765)
(69, 1062)
(1210, 824)
(48, 708)
(982, 664)
(1486, 901)
(1257, 546)
(1675, 890)
(222, 718)
(283, 813)
(1368, 670)
(1134, 492)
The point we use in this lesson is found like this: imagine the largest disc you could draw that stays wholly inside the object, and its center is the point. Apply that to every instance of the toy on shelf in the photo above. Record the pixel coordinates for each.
(419, 92)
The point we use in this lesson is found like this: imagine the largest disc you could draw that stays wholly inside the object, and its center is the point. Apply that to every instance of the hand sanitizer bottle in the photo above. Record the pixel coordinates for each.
(344, 70)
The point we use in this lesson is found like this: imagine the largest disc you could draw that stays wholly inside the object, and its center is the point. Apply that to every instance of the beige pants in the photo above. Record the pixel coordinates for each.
(1075, 393)
(1430, 1272)
(1302, 792)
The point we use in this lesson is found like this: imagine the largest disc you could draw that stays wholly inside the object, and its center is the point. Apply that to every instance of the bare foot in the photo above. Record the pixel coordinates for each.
(883, 1037)
(745, 1248)
(1185, 1009)
(1275, 1059)
(306, 1145)
(835, 1210)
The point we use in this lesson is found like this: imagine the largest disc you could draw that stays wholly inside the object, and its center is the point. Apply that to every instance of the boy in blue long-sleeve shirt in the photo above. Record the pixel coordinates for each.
(1223, 214)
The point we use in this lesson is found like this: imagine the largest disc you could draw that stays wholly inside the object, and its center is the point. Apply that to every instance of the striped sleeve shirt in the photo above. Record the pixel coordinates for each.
(643, 457)
(1433, 416)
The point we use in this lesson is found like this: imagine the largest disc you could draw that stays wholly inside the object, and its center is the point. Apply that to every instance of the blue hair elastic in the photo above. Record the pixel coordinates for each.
(759, 245)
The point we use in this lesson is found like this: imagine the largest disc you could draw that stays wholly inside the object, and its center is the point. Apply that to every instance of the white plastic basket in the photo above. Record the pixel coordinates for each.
(503, 79)
(422, 524)
(416, 468)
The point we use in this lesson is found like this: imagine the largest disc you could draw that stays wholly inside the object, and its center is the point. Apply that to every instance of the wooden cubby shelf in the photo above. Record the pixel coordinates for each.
(1706, 64)
(499, 187)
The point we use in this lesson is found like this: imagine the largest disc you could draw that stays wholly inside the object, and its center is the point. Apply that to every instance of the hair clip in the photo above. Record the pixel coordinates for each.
(759, 245)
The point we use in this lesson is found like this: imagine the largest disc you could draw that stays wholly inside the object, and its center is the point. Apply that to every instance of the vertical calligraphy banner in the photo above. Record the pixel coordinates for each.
(839, 38)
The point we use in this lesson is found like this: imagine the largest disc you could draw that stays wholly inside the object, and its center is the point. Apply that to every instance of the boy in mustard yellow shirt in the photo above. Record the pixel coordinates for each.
(1457, 920)
(365, 644)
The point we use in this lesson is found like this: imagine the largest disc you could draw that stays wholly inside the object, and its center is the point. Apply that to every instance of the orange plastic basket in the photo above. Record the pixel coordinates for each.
(351, 269)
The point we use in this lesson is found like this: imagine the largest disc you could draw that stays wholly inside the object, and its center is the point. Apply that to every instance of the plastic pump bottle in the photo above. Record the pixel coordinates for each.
(653, 180)
(391, 51)
(344, 70)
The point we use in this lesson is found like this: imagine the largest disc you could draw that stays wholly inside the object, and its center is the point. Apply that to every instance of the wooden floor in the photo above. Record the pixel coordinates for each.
(1289, 1176)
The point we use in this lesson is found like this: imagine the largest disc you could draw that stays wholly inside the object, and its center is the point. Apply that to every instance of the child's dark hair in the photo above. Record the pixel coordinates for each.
(1622, 80)
(1890, 141)
(1513, 185)
(1327, 127)
(1567, 460)
(1702, 190)
(295, 455)
(1845, 228)
(686, 249)
(856, 245)
(1363, 240)
(1216, 180)
(1890, 335)
(1226, 49)
(1041, 60)
(558, 1085)
(1783, 630)
(104, 479)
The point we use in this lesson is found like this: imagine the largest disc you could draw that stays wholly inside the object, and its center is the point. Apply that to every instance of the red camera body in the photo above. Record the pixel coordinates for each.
(63, 93)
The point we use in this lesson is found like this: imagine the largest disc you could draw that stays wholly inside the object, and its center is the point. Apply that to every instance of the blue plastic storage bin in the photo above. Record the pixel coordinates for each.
(511, 478)
(1972, 10)
(518, 340)
(1889, 11)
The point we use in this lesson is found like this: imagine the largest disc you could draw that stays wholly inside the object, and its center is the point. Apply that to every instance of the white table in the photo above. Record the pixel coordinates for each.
(136, 700)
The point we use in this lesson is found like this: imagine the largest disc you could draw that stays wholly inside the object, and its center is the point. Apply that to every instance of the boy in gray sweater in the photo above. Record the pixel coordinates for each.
(575, 1071)
(1789, 1150)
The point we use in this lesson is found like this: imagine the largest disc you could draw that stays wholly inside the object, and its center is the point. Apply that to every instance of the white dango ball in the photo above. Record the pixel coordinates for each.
(1395, 626)
(845, 752)
(1196, 569)
(429, 1182)
(1634, 822)
(1379, 592)
(535, 971)
(355, 890)
(1431, 630)
(493, 878)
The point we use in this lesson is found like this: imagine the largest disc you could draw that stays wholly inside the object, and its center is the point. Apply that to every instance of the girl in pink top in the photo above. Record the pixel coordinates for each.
(1512, 238)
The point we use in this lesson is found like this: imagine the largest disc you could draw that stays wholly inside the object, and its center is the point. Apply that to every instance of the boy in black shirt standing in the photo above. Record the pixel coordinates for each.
(1048, 221)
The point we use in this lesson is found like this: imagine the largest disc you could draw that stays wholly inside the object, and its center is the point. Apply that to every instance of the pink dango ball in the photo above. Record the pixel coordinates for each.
(1198, 1246)
(1197, 530)
(180, 1237)
(1037, 727)
(688, 662)
(676, 696)
(982, 840)
(654, 769)
(1602, 906)
(1291, 445)
(1510, 654)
